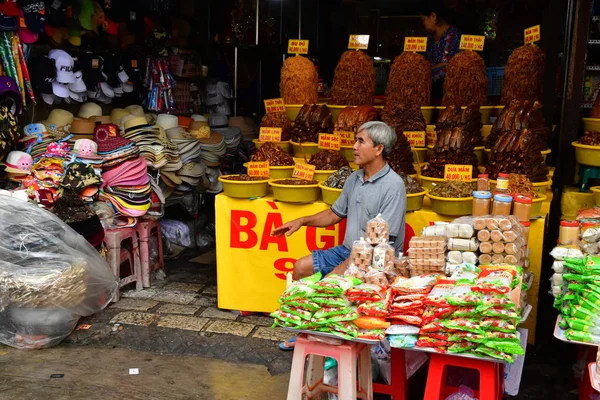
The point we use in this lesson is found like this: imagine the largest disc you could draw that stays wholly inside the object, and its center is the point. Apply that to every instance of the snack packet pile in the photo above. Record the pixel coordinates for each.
(462, 245)
(406, 299)
(371, 301)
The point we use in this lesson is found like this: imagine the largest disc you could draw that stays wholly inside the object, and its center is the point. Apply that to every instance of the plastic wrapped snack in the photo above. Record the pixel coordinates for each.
(460, 229)
(332, 286)
(377, 230)
(355, 272)
(365, 293)
(383, 254)
(376, 277)
(361, 254)
(374, 309)
(463, 244)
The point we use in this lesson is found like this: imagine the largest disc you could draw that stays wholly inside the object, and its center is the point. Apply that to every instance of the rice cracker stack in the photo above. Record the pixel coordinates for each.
(299, 80)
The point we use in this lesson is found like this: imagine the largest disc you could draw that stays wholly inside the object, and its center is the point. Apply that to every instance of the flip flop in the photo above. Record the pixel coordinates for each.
(284, 348)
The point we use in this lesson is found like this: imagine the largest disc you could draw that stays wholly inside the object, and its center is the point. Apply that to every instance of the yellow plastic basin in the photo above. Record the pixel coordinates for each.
(451, 206)
(330, 195)
(292, 110)
(587, 155)
(305, 149)
(479, 153)
(596, 191)
(545, 153)
(414, 201)
(321, 175)
(427, 112)
(486, 130)
(419, 154)
(591, 124)
(285, 146)
(280, 172)
(347, 152)
(429, 183)
(295, 193)
(244, 189)
(536, 206)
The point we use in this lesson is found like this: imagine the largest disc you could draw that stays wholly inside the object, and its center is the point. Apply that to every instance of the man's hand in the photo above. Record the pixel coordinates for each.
(288, 228)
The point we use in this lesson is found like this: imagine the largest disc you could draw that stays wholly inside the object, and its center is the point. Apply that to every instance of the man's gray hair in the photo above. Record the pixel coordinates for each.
(380, 133)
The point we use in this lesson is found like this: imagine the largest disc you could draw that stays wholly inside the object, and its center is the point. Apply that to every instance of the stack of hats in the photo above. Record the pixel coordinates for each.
(189, 148)
(36, 139)
(88, 110)
(86, 151)
(18, 165)
(113, 148)
(81, 129)
(232, 135)
(82, 179)
(45, 177)
(213, 149)
(127, 187)
(191, 176)
(58, 122)
(146, 137)
(199, 129)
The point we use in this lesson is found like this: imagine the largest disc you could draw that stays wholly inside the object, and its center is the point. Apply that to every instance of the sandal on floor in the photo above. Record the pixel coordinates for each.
(283, 347)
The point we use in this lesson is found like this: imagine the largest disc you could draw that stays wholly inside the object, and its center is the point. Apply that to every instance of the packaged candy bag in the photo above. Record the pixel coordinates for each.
(501, 313)
(465, 312)
(579, 336)
(430, 342)
(371, 334)
(482, 349)
(306, 315)
(432, 327)
(493, 324)
(494, 280)
(361, 254)
(435, 313)
(415, 285)
(506, 347)
(327, 312)
(436, 335)
(287, 319)
(377, 230)
(304, 304)
(330, 302)
(365, 322)
(365, 293)
(375, 309)
(463, 324)
(355, 272)
(467, 336)
(461, 347)
(347, 328)
(502, 336)
(333, 285)
(438, 296)
(300, 289)
(383, 254)
(495, 301)
(462, 296)
(408, 319)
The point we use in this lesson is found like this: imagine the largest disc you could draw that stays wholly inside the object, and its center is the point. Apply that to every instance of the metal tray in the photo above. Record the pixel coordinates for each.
(330, 335)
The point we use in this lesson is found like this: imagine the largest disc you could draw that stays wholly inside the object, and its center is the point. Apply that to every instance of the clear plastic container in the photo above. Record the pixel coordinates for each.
(483, 182)
(569, 232)
(481, 202)
(502, 183)
(502, 204)
(526, 227)
(522, 207)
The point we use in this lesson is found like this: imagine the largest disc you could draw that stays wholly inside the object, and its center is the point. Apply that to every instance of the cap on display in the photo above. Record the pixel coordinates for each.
(64, 66)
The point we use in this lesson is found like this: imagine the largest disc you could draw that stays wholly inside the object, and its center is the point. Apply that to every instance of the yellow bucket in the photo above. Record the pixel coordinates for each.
(596, 191)
(347, 152)
(295, 193)
(591, 124)
(330, 195)
(587, 155)
(419, 154)
(427, 112)
(279, 172)
(321, 175)
(451, 206)
(292, 110)
(306, 149)
(479, 153)
(545, 153)
(285, 146)
(414, 201)
(429, 183)
(536, 205)
(244, 189)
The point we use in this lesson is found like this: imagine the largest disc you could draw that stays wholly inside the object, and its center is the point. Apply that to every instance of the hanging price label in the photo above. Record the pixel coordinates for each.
(458, 172)
(258, 168)
(472, 42)
(346, 137)
(532, 34)
(329, 141)
(431, 136)
(358, 42)
(304, 171)
(297, 46)
(416, 138)
(269, 134)
(415, 43)
(274, 106)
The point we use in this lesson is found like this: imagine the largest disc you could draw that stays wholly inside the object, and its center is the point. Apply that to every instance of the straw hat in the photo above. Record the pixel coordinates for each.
(88, 110)
(58, 121)
(136, 110)
(167, 121)
(82, 129)
(117, 114)
(184, 121)
(198, 117)
(101, 119)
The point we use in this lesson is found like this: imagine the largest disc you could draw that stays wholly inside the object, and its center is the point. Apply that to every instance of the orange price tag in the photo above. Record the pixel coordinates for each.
(532, 34)
(431, 136)
(297, 46)
(258, 168)
(416, 138)
(458, 172)
(472, 42)
(304, 171)
(274, 105)
(269, 134)
(329, 141)
(415, 43)
(346, 137)
(358, 42)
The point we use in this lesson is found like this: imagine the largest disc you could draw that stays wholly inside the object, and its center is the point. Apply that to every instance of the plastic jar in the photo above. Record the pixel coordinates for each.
(483, 182)
(569, 232)
(481, 202)
(502, 183)
(526, 227)
(522, 207)
(502, 204)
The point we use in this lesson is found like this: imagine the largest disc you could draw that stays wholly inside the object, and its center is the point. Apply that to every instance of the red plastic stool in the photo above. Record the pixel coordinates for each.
(346, 355)
(491, 377)
(145, 230)
(398, 385)
(113, 240)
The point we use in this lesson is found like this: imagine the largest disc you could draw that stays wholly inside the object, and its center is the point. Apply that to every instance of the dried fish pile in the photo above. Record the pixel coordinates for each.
(519, 115)
(353, 80)
(311, 120)
(453, 189)
(278, 120)
(409, 82)
(351, 118)
(515, 152)
(273, 154)
(400, 119)
(328, 160)
(458, 133)
(466, 80)
(524, 75)
(299, 80)
(411, 185)
(338, 178)
(590, 138)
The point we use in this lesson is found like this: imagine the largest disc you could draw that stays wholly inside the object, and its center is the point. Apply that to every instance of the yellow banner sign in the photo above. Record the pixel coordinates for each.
(297, 46)
(458, 172)
(258, 168)
(472, 42)
(532, 34)
(329, 141)
(274, 105)
(304, 171)
(416, 138)
(431, 136)
(268, 134)
(415, 43)
(346, 137)
(358, 42)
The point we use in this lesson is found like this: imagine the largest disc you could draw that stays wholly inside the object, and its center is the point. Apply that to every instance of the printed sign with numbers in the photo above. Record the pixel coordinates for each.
(358, 42)
(472, 42)
(346, 137)
(415, 138)
(415, 43)
(258, 168)
(304, 171)
(532, 34)
(329, 141)
(297, 46)
(458, 172)
(267, 134)
(274, 106)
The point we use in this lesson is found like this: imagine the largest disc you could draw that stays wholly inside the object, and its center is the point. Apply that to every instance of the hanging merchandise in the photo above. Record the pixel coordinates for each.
(160, 84)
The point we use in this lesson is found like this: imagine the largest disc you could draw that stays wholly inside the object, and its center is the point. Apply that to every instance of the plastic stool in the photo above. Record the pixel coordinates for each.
(144, 230)
(491, 377)
(398, 385)
(113, 240)
(585, 174)
(346, 355)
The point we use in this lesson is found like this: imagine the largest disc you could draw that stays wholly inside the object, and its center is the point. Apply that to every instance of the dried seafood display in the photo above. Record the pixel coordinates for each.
(519, 184)
(295, 182)
(353, 80)
(453, 189)
(524, 75)
(400, 119)
(466, 80)
(243, 178)
(299, 80)
(590, 138)
(468, 118)
(351, 118)
(273, 154)
(328, 160)
(338, 178)
(516, 152)
(409, 82)
(278, 120)
(519, 115)
(411, 185)
(311, 120)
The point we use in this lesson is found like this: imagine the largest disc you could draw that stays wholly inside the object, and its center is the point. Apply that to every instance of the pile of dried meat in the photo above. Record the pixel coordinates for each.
(409, 82)
(311, 120)
(458, 133)
(515, 152)
(400, 119)
(524, 75)
(273, 154)
(351, 118)
(328, 160)
(590, 138)
(466, 80)
(278, 120)
(353, 80)
(519, 115)
(299, 80)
